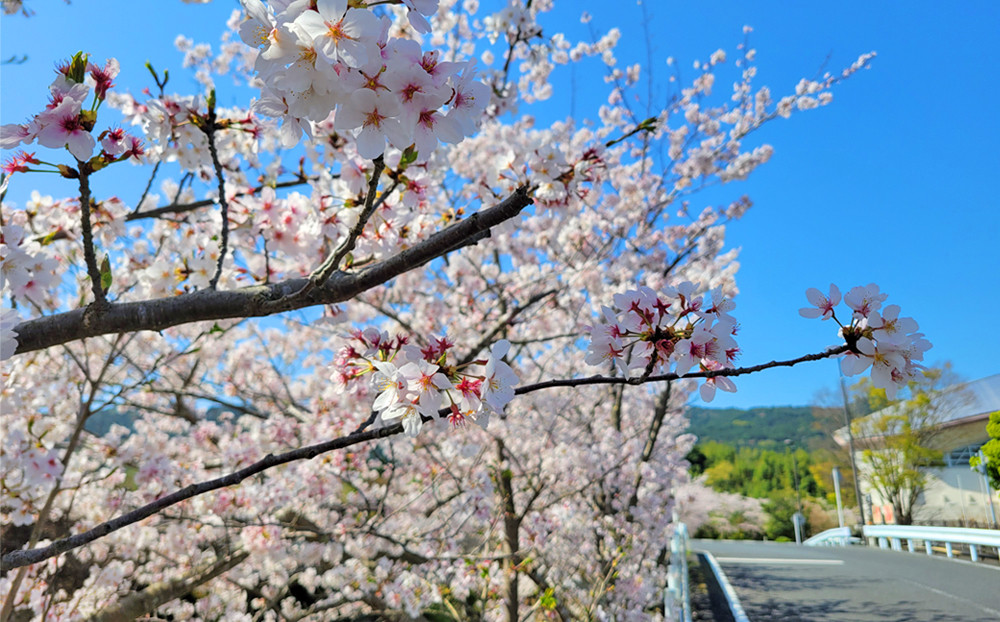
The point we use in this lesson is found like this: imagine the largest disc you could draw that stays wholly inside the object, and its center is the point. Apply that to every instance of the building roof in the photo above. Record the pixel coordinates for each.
(958, 404)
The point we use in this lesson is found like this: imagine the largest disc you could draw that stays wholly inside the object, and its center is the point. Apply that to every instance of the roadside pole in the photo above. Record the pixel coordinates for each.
(850, 440)
(836, 489)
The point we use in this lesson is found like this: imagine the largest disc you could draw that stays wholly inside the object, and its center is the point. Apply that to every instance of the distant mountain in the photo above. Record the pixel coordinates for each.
(764, 427)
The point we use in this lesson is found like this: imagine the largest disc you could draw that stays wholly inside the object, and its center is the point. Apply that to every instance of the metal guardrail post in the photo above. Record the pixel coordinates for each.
(949, 536)
(685, 576)
(677, 595)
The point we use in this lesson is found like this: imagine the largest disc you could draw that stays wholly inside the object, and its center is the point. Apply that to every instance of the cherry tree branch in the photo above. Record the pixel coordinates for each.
(162, 592)
(89, 256)
(16, 559)
(181, 208)
(20, 558)
(502, 324)
(210, 128)
(258, 300)
(736, 371)
(332, 263)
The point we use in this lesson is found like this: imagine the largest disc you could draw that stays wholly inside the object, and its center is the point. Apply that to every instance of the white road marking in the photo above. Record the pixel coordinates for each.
(780, 561)
(988, 610)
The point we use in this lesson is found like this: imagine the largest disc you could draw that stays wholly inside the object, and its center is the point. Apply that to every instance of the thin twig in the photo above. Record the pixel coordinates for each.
(735, 371)
(89, 256)
(175, 208)
(209, 130)
(332, 262)
(145, 192)
(503, 324)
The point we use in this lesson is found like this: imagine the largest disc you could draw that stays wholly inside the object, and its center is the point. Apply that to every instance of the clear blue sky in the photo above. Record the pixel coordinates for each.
(894, 183)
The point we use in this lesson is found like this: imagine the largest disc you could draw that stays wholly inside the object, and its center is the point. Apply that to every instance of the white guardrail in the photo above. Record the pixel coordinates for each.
(838, 536)
(677, 596)
(892, 536)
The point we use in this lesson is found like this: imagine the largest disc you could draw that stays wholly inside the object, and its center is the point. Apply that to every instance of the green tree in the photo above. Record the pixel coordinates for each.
(896, 440)
(780, 508)
(720, 476)
(991, 450)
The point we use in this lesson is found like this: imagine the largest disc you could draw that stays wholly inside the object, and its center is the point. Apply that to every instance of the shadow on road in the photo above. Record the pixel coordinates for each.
(776, 599)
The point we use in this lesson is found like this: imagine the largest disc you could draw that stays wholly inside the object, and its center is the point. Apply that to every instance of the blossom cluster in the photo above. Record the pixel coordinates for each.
(36, 468)
(172, 125)
(649, 332)
(414, 383)
(66, 122)
(27, 269)
(877, 337)
(332, 55)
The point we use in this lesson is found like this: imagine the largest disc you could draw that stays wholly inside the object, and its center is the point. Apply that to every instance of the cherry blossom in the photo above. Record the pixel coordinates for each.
(340, 33)
(376, 116)
(338, 193)
(8, 336)
(886, 343)
(823, 304)
(676, 328)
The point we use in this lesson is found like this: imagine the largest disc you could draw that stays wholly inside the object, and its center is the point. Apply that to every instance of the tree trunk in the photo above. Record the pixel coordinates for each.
(511, 528)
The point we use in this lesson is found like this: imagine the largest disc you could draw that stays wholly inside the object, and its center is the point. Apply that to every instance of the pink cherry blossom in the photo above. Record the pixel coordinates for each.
(375, 115)
(823, 304)
(62, 127)
(496, 325)
(864, 300)
(340, 33)
(103, 76)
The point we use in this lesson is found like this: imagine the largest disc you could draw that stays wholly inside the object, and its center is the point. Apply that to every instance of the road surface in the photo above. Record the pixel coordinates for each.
(789, 582)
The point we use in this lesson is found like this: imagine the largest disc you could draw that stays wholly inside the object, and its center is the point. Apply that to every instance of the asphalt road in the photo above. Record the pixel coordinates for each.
(789, 582)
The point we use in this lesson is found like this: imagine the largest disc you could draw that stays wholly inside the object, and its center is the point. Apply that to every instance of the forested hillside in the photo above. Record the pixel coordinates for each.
(764, 427)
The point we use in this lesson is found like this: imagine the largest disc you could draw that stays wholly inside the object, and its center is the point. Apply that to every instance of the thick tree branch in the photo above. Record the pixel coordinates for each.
(662, 405)
(258, 300)
(16, 559)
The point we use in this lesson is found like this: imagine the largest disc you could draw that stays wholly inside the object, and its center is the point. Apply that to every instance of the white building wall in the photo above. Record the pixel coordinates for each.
(954, 496)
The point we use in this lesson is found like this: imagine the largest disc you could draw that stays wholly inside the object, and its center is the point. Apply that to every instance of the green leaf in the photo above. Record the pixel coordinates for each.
(78, 67)
(49, 237)
(409, 157)
(106, 274)
(548, 600)
(216, 329)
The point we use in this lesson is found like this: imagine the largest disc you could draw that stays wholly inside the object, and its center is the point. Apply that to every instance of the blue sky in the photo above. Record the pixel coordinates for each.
(894, 183)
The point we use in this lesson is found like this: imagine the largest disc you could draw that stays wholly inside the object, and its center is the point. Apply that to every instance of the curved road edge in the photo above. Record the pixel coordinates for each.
(732, 600)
